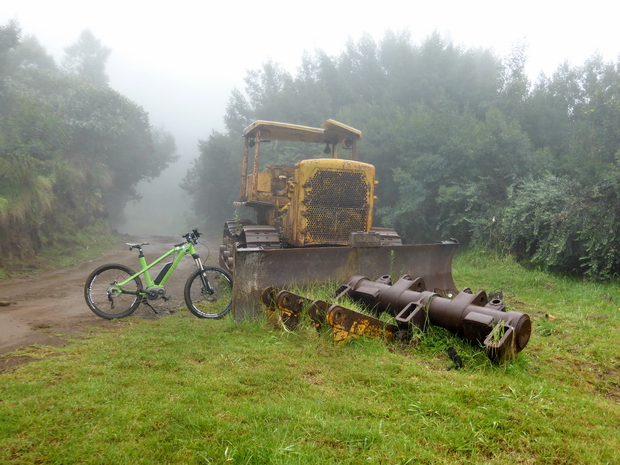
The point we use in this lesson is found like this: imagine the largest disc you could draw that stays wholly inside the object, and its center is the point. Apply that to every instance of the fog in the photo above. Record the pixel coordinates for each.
(190, 110)
(180, 61)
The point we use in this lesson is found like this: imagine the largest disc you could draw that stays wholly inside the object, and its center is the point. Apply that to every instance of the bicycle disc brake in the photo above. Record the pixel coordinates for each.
(113, 293)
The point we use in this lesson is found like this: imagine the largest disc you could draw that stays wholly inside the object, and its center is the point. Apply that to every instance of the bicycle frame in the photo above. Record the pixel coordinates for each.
(181, 250)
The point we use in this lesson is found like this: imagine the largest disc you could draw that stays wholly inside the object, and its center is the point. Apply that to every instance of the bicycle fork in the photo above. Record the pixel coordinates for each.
(206, 285)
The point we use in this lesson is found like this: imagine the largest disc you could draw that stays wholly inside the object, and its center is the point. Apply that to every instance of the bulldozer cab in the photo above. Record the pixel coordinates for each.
(318, 201)
(260, 187)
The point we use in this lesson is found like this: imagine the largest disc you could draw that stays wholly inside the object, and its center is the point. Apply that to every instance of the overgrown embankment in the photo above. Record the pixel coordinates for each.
(72, 149)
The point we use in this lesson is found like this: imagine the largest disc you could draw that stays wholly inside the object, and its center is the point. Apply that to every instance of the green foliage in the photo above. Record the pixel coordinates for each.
(458, 136)
(30, 53)
(559, 224)
(537, 221)
(450, 171)
(34, 130)
(72, 149)
(87, 58)
(362, 86)
(65, 246)
(10, 36)
(212, 179)
(26, 192)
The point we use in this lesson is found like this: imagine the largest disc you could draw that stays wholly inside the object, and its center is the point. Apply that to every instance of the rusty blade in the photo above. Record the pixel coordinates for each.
(257, 269)
(348, 324)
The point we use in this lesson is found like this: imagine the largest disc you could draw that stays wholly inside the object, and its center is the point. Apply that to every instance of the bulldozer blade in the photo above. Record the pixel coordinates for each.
(256, 269)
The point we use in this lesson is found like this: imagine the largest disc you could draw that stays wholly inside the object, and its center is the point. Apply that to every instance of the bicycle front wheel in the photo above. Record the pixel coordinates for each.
(105, 298)
(209, 301)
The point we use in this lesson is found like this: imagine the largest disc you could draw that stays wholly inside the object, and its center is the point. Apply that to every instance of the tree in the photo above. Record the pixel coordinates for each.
(30, 138)
(10, 36)
(463, 144)
(238, 113)
(87, 58)
(386, 90)
(514, 87)
(212, 181)
(362, 69)
(594, 138)
(30, 53)
(71, 150)
(9, 39)
(558, 223)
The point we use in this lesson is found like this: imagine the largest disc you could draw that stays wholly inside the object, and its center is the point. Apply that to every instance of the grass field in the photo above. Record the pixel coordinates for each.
(183, 390)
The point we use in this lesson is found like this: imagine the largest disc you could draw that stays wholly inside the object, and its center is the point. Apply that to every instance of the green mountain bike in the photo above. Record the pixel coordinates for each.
(116, 291)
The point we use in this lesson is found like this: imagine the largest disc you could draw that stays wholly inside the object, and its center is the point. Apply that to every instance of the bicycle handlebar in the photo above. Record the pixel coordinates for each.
(191, 237)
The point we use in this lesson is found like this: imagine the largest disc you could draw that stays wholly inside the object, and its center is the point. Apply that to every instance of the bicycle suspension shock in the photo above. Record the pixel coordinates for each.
(203, 276)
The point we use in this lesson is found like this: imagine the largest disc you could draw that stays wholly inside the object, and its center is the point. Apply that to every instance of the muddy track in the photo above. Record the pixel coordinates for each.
(48, 308)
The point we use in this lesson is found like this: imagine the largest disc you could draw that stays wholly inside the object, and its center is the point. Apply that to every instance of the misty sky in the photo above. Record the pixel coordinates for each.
(181, 59)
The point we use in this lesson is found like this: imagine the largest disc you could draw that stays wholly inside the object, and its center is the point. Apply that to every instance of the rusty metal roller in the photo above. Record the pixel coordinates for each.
(503, 334)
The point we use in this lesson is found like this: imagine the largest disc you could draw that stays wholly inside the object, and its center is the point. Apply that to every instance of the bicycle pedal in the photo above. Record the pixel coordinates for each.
(166, 298)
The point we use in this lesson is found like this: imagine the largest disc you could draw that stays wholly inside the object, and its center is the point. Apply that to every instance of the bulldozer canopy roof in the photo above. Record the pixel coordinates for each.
(332, 132)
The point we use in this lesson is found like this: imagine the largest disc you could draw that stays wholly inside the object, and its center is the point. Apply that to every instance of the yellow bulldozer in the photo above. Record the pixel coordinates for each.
(313, 222)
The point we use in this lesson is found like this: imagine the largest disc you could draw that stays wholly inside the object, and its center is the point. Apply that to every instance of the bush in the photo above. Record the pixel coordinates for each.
(558, 224)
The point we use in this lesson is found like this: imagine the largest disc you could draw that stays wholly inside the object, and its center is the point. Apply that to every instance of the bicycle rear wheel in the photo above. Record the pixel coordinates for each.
(105, 298)
(209, 304)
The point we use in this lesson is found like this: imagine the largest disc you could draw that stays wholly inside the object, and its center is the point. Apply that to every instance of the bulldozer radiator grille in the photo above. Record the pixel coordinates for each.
(337, 204)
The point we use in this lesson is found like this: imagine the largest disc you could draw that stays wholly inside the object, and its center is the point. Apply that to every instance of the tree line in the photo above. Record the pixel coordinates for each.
(465, 145)
(72, 149)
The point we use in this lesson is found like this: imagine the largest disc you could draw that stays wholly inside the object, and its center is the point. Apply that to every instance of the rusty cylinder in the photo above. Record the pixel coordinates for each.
(467, 314)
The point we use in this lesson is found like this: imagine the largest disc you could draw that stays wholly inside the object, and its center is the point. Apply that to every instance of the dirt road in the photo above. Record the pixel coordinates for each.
(46, 308)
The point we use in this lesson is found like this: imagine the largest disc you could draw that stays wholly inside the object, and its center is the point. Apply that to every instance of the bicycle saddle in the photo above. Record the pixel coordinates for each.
(136, 246)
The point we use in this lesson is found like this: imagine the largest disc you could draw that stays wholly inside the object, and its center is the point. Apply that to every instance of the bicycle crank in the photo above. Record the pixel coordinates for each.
(155, 292)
